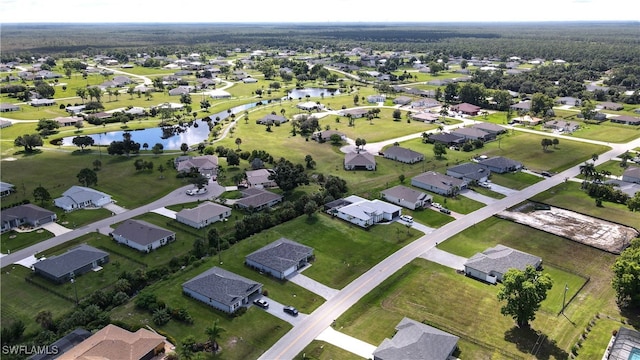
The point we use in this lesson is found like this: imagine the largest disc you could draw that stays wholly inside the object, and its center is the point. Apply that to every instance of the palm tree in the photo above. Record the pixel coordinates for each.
(238, 142)
(214, 333)
(588, 170)
(425, 137)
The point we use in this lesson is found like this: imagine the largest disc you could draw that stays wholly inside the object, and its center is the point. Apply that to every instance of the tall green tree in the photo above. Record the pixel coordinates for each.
(41, 194)
(439, 149)
(87, 177)
(47, 127)
(523, 292)
(83, 141)
(541, 104)
(29, 141)
(626, 276)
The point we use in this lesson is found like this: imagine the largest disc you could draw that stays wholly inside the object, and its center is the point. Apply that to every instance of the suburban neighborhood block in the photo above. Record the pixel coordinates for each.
(77, 261)
(222, 289)
(281, 258)
(491, 264)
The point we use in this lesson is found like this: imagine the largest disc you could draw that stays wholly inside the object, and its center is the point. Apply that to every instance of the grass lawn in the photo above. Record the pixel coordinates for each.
(320, 350)
(568, 195)
(22, 300)
(607, 131)
(429, 217)
(13, 240)
(598, 337)
(487, 192)
(613, 167)
(515, 180)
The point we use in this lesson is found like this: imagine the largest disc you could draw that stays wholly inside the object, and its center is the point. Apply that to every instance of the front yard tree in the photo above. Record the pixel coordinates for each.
(233, 159)
(546, 143)
(200, 181)
(523, 292)
(310, 208)
(214, 332)
(626, 276)
(311, 164)
(238, 142)
(184, 148)
(83, 141)
(29, 141)
(588, 110)
(439, 149)
(87, 177)
(397, 115)
(47, 127)
(541, 104)
(288, 176)
(41, 194)
(335, 139)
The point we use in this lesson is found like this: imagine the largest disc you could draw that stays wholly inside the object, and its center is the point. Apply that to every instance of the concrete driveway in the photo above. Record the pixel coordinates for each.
(55, 228)
(444, 258)
(503, 190)
(477, 196)
(313, 286)
(165, 212)
(276, 309)
(347, 342)
(115, 208)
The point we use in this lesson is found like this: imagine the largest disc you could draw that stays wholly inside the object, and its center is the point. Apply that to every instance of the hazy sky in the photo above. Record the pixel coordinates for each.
(221, 11)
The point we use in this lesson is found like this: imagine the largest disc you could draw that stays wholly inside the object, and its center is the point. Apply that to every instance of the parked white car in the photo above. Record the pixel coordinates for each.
(485, 185)
(436, 205)
(406, 218)
(197, 191)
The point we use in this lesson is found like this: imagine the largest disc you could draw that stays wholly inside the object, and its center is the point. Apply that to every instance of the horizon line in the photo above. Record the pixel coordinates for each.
(315, 22)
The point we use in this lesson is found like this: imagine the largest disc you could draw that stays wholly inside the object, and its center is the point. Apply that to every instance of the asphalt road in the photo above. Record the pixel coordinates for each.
(301, 335)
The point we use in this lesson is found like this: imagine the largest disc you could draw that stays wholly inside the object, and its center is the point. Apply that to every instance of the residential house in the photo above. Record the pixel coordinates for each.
(6, 189)
(417, 341)
(63, 344)
(309, 106)
(280, 258)
(222, 289)
(354, 113)
(249, 80)
(363, 212)
(407, 197)
(325, 135)
(402, 100)
(632, 175)
(359, 161)
(6, 107)
(75, 110)
(271, 119)
(80, 197)
(141, 235)
(561, 125)
(113, 342)
(606, 105)
(376, 98)
(500, 164)
(68, 120)
(425, 103)
(426, 117)
(203, 215)
(42, 102)
(207, 165)
(467, 109)
(5, 123)
(568, 100)
(469, 172)
(625, 119)
(438, 183)
(71, 264)
(523, 106)
(489, 128)
(219, 94)
(260, 178)
(526, 120)
(25, 215)
(448, 139)
(469, 133)
(180, 90)
(403, 155)
(257, 199)
(491, 264)
(625, 346)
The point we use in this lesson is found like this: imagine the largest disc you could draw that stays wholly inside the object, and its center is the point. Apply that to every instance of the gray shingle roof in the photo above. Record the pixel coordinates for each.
(416, 341)
(203, 212)
(72, 260)
(359, 159)
(500, 259)
(470, 170)
(28, 212)
(281, 254)
(408, 194)
(222, 286)
(400, 152)
(254, 197)
(500, 162)
(141, 232)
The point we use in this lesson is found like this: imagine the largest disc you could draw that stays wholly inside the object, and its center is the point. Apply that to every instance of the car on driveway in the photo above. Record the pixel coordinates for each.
(445, 211)
(290, 310)
(436, 205)
(261, 303)
(406, 218)
(485, 185)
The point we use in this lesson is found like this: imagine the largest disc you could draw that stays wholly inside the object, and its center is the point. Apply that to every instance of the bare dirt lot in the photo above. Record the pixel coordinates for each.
(578, 227)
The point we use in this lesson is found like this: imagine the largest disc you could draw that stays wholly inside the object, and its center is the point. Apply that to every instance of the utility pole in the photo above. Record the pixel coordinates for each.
(75, 287)
(564, 297)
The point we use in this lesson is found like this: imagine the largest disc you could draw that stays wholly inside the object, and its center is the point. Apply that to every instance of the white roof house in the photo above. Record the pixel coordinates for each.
(79, 197)
(365, 213)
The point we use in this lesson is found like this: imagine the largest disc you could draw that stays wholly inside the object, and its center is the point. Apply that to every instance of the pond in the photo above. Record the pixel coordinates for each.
(312, 92)
(170, 138)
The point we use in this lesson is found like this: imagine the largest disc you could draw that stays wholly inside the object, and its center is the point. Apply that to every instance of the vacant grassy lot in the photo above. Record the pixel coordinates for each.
(607, 131)
(568, 195)
(515, 180)
(320, 350)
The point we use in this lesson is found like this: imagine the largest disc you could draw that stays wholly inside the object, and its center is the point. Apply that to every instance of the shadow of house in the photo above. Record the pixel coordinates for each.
(281, 258)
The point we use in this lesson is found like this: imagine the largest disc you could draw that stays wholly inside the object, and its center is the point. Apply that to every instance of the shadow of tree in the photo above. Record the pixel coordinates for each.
(632, 314)
(534, 342)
